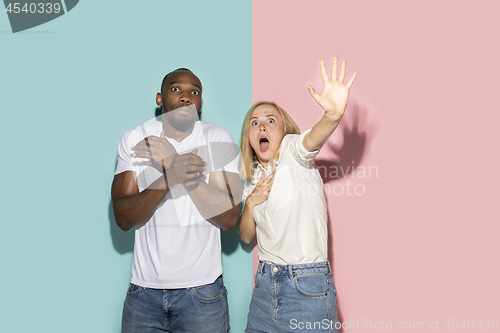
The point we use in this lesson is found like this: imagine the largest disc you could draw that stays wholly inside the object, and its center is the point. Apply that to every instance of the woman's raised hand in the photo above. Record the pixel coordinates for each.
(335, 93)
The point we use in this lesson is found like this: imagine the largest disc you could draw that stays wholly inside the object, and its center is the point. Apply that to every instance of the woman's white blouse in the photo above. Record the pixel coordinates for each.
(291, 225)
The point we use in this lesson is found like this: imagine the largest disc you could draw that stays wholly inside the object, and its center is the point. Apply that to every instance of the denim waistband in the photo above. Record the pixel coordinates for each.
(318, 267)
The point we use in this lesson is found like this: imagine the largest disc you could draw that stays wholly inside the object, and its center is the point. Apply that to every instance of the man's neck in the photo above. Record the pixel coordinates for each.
(177, 135)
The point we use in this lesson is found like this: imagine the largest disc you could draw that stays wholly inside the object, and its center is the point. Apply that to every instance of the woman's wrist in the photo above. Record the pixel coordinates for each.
(249, 202)
(333, 117)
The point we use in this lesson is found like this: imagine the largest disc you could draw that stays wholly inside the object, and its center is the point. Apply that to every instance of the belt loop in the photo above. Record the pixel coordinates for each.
(290, 271)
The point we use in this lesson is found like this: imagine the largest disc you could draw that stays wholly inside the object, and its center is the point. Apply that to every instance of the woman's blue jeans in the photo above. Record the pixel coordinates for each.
(293, 298)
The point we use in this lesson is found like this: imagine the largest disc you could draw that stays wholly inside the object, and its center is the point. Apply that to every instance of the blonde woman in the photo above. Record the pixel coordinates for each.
(286, 208)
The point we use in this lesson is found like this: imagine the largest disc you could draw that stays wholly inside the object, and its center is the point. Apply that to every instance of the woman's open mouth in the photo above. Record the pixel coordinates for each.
(263, 144)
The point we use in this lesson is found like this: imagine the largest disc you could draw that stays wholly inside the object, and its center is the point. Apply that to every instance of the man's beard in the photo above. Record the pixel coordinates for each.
(183, 118)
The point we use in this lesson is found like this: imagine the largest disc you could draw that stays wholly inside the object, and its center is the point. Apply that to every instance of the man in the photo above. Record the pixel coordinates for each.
(176, 183)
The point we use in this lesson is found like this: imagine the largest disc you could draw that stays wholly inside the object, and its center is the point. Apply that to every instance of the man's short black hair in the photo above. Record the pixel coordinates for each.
(165, 78)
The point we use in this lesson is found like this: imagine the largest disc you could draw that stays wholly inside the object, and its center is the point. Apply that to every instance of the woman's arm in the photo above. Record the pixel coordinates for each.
(246, 223)
(333, 100)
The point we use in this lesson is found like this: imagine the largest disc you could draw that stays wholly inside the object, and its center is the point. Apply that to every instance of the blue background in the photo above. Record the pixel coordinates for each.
(69, 89)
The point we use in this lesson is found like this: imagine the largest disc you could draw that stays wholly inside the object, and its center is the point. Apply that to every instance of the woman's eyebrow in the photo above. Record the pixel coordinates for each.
(267, 115)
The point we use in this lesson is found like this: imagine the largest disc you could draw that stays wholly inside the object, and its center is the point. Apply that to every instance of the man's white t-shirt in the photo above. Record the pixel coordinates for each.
(177, 247)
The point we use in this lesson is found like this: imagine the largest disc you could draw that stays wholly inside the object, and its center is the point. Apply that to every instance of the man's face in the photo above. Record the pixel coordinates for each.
(181, 89)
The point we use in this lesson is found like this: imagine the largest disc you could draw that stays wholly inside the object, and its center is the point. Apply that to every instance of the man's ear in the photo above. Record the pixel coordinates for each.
(159, 99)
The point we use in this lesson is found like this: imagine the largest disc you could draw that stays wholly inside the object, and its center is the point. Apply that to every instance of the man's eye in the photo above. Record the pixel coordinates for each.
(195, 92)
(175, 89)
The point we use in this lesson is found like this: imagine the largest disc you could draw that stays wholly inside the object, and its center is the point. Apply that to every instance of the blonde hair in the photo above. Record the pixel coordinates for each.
(248, 159)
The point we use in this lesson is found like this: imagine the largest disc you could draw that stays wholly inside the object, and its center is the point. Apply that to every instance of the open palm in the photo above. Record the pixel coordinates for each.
(335, 93)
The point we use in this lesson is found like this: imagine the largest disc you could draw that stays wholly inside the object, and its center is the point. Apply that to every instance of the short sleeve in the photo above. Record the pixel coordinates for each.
(124, 162)
(292, 144)
(223, 151)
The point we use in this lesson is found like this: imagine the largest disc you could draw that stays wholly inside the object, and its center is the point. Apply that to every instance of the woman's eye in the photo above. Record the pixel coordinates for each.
(195, 92)
(271, 121)
(254, 123)
(175, 89)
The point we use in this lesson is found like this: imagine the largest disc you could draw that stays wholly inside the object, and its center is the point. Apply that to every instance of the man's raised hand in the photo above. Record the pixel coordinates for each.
(157, 149)
(185, 167)
(335, 93)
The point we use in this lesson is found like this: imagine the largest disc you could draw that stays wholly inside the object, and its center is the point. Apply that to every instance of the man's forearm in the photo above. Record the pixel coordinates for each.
(228, 219)
(216, 206)
(135, 210)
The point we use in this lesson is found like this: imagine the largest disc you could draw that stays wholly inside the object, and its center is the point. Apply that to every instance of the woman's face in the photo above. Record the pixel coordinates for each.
(266, 132)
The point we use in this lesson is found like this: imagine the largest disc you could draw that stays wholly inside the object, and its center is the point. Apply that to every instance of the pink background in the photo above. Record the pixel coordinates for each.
(421, 243)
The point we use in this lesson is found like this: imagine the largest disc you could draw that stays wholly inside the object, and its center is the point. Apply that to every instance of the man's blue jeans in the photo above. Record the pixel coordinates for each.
(192, 310)
(293, 298)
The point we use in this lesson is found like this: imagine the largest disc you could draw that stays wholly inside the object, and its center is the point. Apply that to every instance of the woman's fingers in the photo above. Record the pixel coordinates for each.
(267, 184)
(334, 68)
(324, 74)
(261, 180)
(342, 71)
(351, 81)
(313, 93)
(269, 178)
(267, 188)
(264, 185)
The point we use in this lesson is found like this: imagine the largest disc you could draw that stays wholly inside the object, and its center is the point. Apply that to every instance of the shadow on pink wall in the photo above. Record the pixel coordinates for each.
(357, 133)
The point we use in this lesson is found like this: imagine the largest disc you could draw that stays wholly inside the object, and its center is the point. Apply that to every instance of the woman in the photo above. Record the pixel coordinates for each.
(286, 208)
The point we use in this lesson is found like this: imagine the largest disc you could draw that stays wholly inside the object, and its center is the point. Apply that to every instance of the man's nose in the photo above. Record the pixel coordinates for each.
(186, 98)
